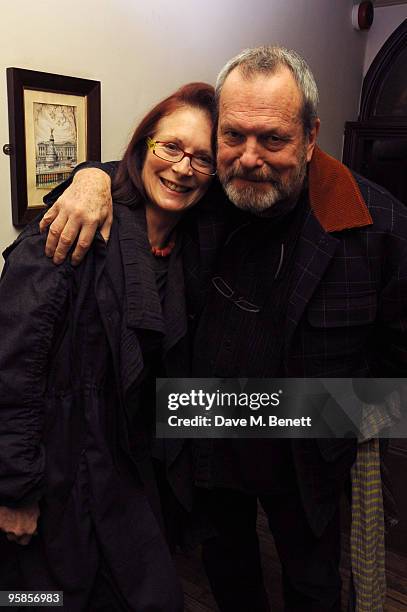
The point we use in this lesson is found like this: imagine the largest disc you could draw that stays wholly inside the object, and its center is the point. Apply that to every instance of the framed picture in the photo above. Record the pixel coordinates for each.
(54, 124)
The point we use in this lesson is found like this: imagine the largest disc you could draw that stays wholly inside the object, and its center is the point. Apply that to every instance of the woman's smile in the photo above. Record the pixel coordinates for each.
(174, 187)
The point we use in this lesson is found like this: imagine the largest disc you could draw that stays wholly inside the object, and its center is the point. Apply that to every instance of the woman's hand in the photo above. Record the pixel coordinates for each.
(19, 524)
(83, 207)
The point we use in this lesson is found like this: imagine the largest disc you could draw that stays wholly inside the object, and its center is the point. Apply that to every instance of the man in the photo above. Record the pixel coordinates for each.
(320, 257)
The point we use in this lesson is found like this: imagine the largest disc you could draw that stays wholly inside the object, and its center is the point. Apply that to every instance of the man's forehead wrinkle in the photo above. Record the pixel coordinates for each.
(260, 100)
(263, 115)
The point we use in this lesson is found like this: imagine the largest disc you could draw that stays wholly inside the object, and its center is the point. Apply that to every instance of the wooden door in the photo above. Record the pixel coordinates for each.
(376, 147)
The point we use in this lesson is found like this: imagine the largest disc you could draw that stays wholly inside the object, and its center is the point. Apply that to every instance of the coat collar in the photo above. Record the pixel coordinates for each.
(334, 195)
(143, 308)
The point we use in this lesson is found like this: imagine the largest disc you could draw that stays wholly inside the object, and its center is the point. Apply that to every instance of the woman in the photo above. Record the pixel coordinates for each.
(79, 350)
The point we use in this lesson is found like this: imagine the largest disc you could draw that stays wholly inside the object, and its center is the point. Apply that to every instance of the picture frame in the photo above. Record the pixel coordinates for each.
(54, 124)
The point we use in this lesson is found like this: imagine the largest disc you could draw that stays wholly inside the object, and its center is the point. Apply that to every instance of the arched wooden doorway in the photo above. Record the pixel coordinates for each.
(376, 145)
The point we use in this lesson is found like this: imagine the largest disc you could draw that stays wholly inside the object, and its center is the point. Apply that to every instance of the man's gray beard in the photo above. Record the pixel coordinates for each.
(250, 199)
(257, 201)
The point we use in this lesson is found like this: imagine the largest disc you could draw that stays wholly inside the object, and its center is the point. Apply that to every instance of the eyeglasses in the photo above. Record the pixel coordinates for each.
(171, 152)
(228, 293)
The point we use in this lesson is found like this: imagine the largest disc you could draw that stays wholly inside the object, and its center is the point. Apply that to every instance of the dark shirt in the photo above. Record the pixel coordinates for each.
(254, 272)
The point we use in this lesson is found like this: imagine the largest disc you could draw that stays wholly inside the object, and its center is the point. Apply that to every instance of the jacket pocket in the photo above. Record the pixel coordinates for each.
(343, 310)
(333, 449)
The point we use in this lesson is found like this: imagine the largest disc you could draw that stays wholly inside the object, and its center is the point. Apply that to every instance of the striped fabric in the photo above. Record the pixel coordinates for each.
(379, 416)
(367, 531)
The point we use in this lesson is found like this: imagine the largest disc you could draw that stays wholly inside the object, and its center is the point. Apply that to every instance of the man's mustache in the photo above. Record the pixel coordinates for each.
(258, 176)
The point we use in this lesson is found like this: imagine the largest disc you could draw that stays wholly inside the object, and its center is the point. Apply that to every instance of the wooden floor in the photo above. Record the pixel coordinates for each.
(198, 596)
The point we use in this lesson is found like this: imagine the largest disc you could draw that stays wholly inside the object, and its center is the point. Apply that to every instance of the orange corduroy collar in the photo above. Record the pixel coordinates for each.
(334, 195)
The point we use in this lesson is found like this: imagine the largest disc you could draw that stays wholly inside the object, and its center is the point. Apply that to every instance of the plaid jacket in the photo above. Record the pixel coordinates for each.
(347, 307)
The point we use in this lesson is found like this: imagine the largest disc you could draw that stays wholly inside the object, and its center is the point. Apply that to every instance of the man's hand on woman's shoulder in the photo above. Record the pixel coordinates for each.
(82, 208)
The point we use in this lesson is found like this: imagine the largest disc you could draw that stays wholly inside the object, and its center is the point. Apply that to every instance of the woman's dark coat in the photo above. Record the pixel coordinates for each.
(73, 350)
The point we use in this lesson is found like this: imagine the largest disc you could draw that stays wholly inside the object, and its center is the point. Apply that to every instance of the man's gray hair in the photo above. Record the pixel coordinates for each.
(267, 60)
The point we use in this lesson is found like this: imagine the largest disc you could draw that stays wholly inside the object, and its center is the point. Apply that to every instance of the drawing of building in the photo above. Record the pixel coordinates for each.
(51, 154)
(54, 161)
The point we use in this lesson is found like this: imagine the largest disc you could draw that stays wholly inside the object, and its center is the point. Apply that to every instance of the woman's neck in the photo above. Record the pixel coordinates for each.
(160, 224)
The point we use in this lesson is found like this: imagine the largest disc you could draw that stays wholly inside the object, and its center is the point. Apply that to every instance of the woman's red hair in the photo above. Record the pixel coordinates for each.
(127, 183)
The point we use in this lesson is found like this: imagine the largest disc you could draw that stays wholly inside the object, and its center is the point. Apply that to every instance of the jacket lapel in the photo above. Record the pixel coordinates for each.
(314, 253)
(174, 307)
(127, 295)
(336, 204)
(143, 308)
